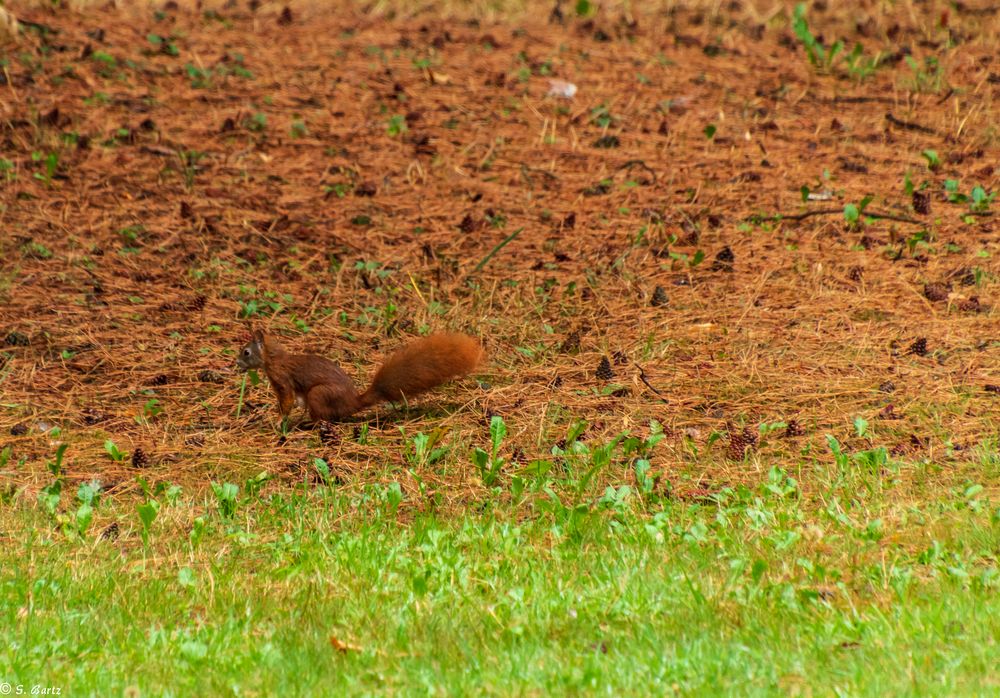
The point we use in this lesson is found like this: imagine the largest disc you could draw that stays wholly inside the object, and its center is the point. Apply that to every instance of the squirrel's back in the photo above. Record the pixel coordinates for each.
(423, 364)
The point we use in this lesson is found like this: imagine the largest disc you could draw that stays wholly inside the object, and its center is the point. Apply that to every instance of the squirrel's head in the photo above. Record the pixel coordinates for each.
(252, 354)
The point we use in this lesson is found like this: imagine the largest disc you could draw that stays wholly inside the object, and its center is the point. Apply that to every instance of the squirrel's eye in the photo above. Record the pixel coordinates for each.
(246, 352)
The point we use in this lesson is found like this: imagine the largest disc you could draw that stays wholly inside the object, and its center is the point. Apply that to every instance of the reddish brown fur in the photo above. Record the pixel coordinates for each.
(421, 365)
(313, 381)
(323, 388)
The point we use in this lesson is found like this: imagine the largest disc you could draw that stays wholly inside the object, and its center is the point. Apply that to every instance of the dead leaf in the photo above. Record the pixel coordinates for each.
(438, 78)
(342, 646)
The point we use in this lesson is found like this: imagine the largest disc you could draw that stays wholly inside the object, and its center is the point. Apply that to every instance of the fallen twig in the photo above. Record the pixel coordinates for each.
(642, 377)
(629, 164)
(832, 211)
(861, 100)
(37, 26)
(908, 125)
(526, 173)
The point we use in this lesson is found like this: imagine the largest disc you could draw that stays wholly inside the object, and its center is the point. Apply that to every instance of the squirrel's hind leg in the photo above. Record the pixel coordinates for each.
(330, 403)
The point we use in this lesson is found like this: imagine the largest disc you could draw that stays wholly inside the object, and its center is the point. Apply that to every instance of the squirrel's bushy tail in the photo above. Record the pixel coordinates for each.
(422, 364)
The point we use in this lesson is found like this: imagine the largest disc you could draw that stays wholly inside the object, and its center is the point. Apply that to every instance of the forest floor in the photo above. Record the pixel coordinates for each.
(737, 287)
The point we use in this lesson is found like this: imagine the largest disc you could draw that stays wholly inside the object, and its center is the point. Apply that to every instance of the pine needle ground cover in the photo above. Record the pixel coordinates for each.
(735, 270)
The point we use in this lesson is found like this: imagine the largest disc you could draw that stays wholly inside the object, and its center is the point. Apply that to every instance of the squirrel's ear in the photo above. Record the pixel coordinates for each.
(258, 336)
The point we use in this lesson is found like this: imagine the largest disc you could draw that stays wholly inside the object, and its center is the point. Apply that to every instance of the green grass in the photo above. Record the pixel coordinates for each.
(763, 591)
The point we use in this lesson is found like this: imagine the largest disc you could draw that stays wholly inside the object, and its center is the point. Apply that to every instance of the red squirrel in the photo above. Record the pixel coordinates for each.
(322, 387)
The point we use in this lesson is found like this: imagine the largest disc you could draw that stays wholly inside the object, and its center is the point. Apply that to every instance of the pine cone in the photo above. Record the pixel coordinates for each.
(604, 371)
(740, 443)
(468, 224)
(92, 416)
(971, 305)
(887, 387)
(366, 189)
(919, 347)
(793, 429)
(327, 434)
(571, 343)
(19, 430)
(724, 259)
(209, 376)
(160, 379)
(111, 532)
(139, 458)
(198, 304)
(659, 297)
(936, 292)
(921, 203)
(16, 339)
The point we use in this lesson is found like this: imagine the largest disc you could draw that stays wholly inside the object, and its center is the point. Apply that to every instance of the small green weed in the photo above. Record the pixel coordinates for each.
(856, 64)
(490, 463)
(50, 162)
(113, 451)
(928, 76)
(853, 213)
(226, 498)
(819, 56)
(397, 125)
